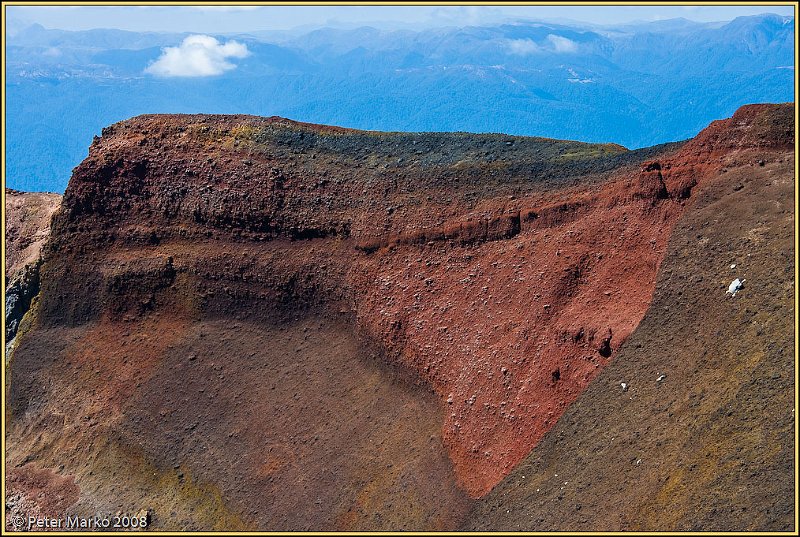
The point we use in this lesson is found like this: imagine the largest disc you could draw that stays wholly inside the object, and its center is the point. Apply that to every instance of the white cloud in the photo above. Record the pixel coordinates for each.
(562, 44)
(197, 55)
(552, 43)
(522, 47)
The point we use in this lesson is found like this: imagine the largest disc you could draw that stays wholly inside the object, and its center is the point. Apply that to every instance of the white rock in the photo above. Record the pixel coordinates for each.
(734, 287)
(623, 386)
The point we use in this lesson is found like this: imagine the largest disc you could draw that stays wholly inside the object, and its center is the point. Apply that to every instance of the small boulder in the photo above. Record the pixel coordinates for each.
(735, 286)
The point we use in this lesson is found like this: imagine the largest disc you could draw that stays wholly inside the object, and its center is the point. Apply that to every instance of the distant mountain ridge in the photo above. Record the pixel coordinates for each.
(636, 85)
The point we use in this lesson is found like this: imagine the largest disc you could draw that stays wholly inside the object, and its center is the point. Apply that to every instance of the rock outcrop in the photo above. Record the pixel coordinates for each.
(28, 217)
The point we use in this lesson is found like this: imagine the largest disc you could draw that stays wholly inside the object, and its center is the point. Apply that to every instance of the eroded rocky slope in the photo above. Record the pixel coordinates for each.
(28, 216)
(238, 312)
(702, 435)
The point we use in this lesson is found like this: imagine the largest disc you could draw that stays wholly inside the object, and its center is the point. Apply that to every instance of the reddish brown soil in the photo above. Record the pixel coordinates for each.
(503, 273)
(36, 493)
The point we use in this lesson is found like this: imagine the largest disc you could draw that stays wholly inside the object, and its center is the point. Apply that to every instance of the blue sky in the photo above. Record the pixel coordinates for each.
(252, 18)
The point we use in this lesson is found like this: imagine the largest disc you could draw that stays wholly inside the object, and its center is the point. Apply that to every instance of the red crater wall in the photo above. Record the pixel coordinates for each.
(504, 273)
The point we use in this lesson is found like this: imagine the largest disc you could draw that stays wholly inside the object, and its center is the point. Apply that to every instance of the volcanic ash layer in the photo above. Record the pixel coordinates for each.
(256, 323)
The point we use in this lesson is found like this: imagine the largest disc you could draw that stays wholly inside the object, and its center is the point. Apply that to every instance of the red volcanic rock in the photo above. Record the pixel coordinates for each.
(504, 284)
(691, 425)
(516, 328)
(651, 183)
(751, 127)
(755, 126)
